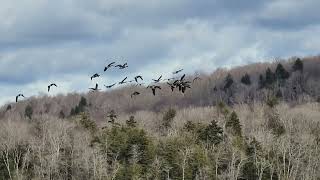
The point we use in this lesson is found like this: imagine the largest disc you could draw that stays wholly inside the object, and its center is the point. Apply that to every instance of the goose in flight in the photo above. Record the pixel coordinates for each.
(138, 77)
(176, 72)
(110, 86)
(196, 78)
(157, 80)
(125, 65)
(95, 88)
(17, 97)
(108, 66)
(171, 86)
(123, 81)
(53, 84)
(136, 93)
(95, 76)
(153, 88)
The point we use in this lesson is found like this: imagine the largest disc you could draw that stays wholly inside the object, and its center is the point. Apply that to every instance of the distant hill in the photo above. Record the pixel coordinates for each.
(245, 84)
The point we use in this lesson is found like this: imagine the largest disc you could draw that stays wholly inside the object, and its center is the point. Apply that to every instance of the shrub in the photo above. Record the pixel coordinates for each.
(233, 124)
(131, 122)
(28, 111)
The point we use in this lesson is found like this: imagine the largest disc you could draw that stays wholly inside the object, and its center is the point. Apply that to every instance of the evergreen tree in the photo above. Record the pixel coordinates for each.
(246, 79)
(298, 65)
(233, 124)
(211, 134)
(62, 115)
(131, 122)
(8, 107)
(168, 118)
(261, 81)
(28, 111)
(281, 73)
(228, 82)
(270, 77)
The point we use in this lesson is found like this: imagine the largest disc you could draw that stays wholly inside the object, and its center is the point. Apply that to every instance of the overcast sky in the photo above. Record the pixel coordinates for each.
(66, 41)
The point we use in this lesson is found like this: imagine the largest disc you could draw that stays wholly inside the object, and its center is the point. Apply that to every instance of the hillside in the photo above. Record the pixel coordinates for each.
(244, 123)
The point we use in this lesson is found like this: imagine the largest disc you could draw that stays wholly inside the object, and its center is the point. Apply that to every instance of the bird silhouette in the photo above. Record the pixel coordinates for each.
(125, 65)
(95, 76)
(136, 93)
(123, 81)
(95, 88)
(53, 84)
(17, 97)
(196, 78)
(171, 86)
(182, 77)
(153, 88)
(176, 72)
(110, 86)
(157, 80)
(109, 66)
(138, 77)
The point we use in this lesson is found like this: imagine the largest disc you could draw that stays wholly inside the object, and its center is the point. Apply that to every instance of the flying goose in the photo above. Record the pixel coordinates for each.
(109, 66)
(110, 86)
(176, 72)
(95, 76)
(53, 84)
(17, 97)
(171, 86)
(135, 94)
(123, 81)
(157, 80)
(95, 88)
(153, 88)
(125, 65)
(138, 77)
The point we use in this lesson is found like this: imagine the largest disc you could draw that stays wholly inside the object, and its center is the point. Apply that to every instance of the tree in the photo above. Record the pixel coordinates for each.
(211, 134)
(8, 107)
(281, 73)
(246, 79)
(62, 115)
(233, 124)
(228, 82)
(168, 118)
(270, 77)
(131, 122)
(28, 111)
(298, 65)
(261, 82)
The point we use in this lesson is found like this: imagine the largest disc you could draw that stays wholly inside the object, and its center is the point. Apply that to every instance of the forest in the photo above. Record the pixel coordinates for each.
(254, 122)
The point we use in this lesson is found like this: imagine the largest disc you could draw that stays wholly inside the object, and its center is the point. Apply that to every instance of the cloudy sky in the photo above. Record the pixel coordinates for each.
(66, 41)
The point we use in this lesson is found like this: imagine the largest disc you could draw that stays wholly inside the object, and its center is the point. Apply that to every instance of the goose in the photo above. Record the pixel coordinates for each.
(138, 77)
(108, 66)
(125, 65)
(136, 93)
(153, 88)
(110, 86)
(176, 72)
(17, 97)
(171, 86)
(53, 84)
(95, 76)
(157, 80)
(196, 78)
(123, 81)
(95, 88)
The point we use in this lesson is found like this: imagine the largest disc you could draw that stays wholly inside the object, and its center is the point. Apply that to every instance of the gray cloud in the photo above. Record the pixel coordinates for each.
(66, 41)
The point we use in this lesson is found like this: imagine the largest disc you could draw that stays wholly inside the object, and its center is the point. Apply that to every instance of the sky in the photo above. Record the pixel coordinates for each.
(67, 41)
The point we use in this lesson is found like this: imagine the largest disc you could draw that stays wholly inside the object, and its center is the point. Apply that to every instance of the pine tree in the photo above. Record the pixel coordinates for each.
(228, 82)
(61, 115)
(246, 79)
(211, 134)
(28, 111)
(270, 77)
(233, 124)
(261, 81)
(281, 73)
(168, 118)
(131, 122)
(298, 65)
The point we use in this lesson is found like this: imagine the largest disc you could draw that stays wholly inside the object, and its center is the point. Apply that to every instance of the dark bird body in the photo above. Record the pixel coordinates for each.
(125, 65)
(123, 81)
(17, 97)
(138, 77)
(95, 88)
(110, 86)
(95, 76)
(109, 66)
(136, 93)
(153, 88)
(53, 84)
(157, 80)
(176, 72)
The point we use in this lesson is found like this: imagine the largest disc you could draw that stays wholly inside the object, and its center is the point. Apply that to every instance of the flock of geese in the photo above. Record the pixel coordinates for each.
(174, 83)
